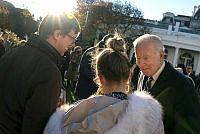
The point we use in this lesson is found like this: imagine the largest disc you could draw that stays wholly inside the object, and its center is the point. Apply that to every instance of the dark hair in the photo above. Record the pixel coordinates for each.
(64, 22)
(113, 63)
(183, 68)
(117, 43)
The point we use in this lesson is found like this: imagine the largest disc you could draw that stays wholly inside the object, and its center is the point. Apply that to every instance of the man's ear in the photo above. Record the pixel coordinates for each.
(100, 78)
(56, 34)
(162, 54)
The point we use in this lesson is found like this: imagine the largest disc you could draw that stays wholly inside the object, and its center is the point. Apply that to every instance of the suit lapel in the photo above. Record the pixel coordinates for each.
(162, 80)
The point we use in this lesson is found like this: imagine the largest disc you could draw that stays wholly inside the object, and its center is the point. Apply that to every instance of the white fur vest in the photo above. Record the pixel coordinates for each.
(141, 114)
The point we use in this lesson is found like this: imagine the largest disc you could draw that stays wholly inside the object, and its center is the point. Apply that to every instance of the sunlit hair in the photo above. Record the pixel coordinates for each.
(116, 43)
(102, 43)
(147, 38)
(63, 21)
(112, 63)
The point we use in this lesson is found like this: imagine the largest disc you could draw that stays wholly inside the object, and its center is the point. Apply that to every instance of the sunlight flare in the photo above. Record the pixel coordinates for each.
(58, 6)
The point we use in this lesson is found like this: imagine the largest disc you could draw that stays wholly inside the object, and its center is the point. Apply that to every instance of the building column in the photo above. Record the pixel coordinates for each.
(175, 56)
(198, 66)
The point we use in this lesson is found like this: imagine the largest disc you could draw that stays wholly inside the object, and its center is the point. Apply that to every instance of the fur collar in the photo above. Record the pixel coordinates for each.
(145, 113)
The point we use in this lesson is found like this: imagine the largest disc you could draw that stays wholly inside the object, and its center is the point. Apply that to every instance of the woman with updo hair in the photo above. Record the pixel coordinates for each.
(113, 109)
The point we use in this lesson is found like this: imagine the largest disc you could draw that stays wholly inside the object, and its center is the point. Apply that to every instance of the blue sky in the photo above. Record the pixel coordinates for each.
(152, 9)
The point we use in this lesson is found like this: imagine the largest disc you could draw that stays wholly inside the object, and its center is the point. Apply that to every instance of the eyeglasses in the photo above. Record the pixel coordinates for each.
(74, 39)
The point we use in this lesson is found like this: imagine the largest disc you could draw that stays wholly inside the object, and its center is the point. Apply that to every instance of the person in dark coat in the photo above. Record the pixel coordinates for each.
(181, 68)
(85, 85)
(191, 74)
(30, 76)
(171, 88)
(6, 42)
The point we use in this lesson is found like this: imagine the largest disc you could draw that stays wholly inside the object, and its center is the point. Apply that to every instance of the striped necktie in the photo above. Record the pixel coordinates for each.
(148, 83)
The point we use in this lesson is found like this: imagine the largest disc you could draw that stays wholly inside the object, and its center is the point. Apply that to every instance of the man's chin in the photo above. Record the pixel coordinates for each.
(146, 73)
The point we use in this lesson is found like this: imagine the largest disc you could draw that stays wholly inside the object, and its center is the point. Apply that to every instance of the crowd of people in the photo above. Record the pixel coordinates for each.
(150, 97)
(8, 41)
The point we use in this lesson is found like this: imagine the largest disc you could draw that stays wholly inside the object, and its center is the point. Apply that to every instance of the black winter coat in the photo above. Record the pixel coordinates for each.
(85, 85)
(180, 103)
(30, 83)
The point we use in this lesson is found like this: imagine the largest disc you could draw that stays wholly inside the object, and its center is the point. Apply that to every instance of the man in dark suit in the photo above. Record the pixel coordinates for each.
(172, 89)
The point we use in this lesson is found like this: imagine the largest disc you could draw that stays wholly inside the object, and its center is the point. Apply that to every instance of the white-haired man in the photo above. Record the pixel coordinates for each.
(173, 90)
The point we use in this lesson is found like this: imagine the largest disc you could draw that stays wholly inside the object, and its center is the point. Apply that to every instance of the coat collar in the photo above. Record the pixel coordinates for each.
(162, 79)
(42, 45)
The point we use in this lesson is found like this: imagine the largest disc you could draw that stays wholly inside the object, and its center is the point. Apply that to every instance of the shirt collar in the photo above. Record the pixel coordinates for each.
(155, 76)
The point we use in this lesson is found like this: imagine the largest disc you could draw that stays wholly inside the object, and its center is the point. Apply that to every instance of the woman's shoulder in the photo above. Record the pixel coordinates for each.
(142, 96)
(146, 111)
(143, 100)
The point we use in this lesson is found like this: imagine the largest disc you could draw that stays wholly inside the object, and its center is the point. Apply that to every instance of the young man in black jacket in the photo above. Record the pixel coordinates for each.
(30, 77)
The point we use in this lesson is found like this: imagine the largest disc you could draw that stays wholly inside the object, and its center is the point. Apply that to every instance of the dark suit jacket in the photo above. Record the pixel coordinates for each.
(179, 100)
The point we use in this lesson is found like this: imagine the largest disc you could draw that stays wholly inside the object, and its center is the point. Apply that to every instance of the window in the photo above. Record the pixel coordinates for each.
(187, 59)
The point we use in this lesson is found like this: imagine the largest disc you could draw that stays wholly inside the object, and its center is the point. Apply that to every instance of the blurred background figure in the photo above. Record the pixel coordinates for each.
(182, 66)
(75, 57)
(191, 73)
(179, 69)
(6, 42)
(85, 85)
(182, 69)
(71, 75)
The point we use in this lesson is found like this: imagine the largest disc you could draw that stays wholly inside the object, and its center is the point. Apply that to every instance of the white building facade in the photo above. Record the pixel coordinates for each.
(180, 47)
